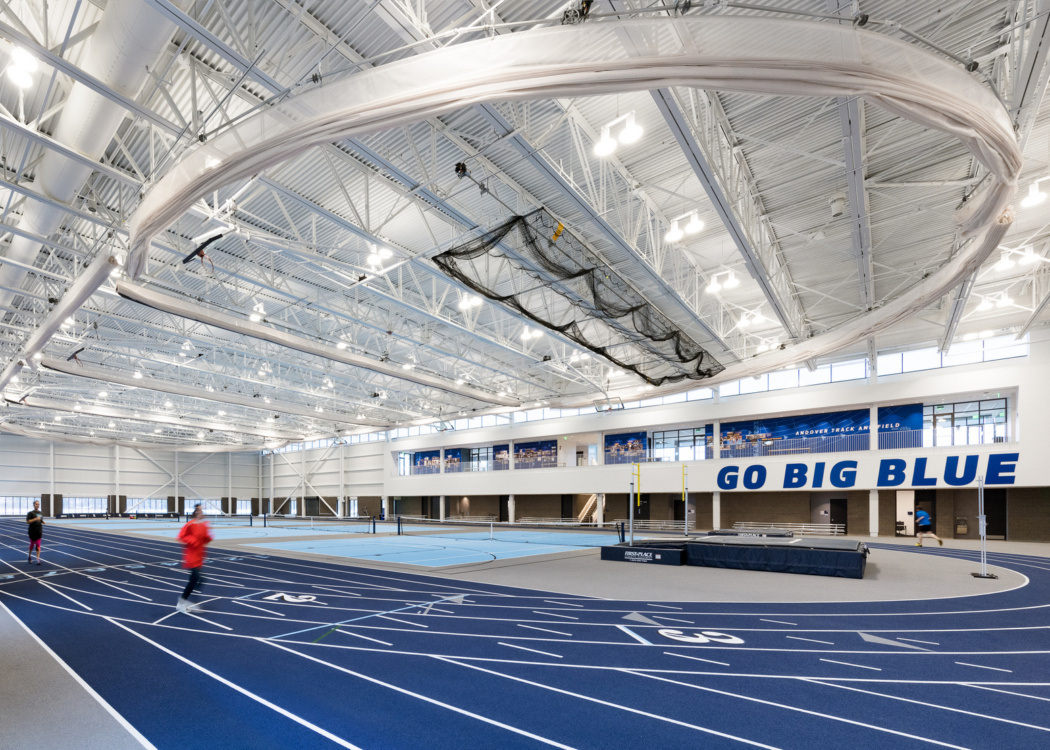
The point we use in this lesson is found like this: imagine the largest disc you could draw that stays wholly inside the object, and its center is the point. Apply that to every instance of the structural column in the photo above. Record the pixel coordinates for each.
(511, 510)
(716, 441)
(716, 509)
(441, 508)
(873, 512)
(386, 506)
(599, 511)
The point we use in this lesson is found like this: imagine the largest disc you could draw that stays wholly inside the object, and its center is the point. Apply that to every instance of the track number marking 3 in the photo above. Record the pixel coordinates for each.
(704, 636)
(291, 598)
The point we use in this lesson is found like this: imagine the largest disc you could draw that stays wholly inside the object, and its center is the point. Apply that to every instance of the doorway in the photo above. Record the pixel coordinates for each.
(504, 508)
(995, 513)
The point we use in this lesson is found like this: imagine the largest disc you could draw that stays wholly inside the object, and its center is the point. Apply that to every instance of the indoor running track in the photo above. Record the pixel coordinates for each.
(297, 654)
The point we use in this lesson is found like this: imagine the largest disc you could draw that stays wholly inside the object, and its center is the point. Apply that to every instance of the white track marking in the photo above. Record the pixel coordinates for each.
(87, 688)
(258, 699)
(358, 635)
(198, 617)
(53, 588)
(329, 588)
(555, 614)
(608, 704)
(1008, 692)
(811, 640)
(421, 697)
(671, 619)
(634, 635)
(118, 588)
(927, 704)
(665, 606)
(981, 666)
(442, 611)
(778, 622)
(165, 617)
(403, 622)
(695, 658)
(535, 651)
(563, 604)
(545, 630)
(913, 640)
(365, 617)
(847, 664)
(245, 604)
(794, 708)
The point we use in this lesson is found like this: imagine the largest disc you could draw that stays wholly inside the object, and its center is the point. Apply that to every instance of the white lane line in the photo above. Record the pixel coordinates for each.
(847, 664)
(44, 583)
(246, 604)
(403, 622)
(442, 611)
(198, 617)
(562, 604)
(665, 606)
(912, 640)
(243, 691)
(535, 651)
(421, 697)
(165, 617)
(981, 666)
(358, 635)
(778, 622)
(806, 711)
(608, 704)
(672, 619)
(634, 635)
(555, 614)
(118, 588)
(1008, 692)
(365, 617)
(695, 658)
(927, 704)
(90, 691)
(545, 630)
(329, 588)
(811, 640)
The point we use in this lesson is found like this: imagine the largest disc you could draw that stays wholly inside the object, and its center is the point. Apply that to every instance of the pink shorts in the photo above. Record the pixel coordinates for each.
(34, 543)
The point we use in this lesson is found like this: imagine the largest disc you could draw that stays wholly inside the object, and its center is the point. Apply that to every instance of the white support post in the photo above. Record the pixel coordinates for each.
(873, 428)
(176, 478)
(116, 473)
(258, 471)
(385, 506)
(51, 475)
(511, 509)
(600, 510)
(873, 512)
(716, 510)
(716, 440)
(229, 483)
(301, 510)
(270, 505)
(441, 508)
(342, 480)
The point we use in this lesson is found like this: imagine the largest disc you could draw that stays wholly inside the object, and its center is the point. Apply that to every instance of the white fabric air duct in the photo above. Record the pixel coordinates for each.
(726, 53)
(127, 40)
(175, 389)
(13, 429)
(186, 309)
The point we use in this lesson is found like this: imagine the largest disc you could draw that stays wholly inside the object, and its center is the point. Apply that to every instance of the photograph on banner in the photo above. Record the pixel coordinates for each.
(625, 448)
(540, 454)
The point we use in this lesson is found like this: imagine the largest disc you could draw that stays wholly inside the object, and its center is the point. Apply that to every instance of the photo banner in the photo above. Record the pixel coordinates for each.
(536, 455)
(625, 448)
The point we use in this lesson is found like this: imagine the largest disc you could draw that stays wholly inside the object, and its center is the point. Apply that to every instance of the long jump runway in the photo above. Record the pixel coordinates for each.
(301, 654)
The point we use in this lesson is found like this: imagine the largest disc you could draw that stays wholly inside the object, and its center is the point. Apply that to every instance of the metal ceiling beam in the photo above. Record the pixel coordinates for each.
(851, 116)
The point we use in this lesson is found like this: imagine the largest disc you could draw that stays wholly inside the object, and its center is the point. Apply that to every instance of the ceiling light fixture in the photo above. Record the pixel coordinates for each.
(1005, 262)
(731, 282)
(1035, 195)
(631, 133)
(985, 305)
(693, 226)
(469, 301)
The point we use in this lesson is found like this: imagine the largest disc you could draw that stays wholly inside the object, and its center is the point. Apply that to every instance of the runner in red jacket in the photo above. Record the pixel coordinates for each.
(194, 537)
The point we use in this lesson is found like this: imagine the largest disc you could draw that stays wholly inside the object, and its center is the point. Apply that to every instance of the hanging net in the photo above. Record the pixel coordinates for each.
(604, 314)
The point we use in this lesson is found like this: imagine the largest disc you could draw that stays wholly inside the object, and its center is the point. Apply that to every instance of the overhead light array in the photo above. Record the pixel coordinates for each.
(21, 68)
(676, 232)
(731, 282)
(631, 133)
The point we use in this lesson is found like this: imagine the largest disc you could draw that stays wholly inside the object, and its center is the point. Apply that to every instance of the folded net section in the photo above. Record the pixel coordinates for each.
(331, 524)
(604, 314)
(555, 535)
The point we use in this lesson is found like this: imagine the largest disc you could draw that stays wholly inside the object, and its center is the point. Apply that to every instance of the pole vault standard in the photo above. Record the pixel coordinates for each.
(685, 497)
(982, 527)
(636, 476)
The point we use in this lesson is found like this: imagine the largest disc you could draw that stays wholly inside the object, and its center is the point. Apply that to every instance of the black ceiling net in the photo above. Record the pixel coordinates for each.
(645, 341)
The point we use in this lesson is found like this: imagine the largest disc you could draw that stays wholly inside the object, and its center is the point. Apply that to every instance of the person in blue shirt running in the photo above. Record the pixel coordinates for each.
(924, 527)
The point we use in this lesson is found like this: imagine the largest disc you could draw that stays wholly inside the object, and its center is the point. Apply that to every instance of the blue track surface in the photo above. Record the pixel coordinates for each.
(297, 654)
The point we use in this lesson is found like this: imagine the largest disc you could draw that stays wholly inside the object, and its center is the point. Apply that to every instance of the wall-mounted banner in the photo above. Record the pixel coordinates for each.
(998, 469)
(453, 459)
(829, 432)
(426, 462)
(625, 448)
(501, 457)
(541, 454)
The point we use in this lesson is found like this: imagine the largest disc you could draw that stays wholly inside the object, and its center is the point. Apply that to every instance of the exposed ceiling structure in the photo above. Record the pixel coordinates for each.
(303, 300)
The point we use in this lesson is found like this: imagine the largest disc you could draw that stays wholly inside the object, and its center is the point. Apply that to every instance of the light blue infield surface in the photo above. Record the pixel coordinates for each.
(435, 551)
(169, 528)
